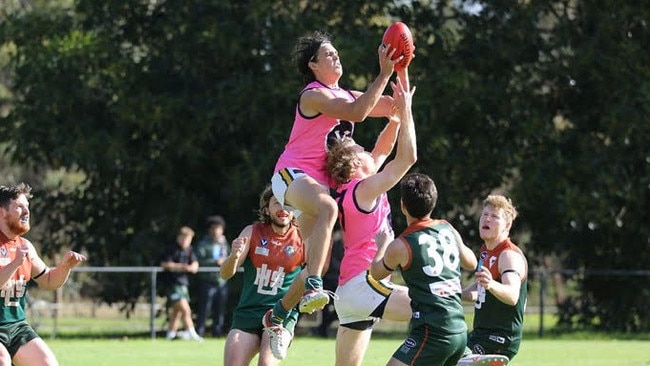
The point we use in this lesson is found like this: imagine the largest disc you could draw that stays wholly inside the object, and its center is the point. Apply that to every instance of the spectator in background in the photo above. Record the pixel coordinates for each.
(211, 251)
(178, 260)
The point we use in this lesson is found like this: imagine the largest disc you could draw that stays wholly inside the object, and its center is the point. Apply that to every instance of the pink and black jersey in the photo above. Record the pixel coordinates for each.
(310, 136)
(359, 229)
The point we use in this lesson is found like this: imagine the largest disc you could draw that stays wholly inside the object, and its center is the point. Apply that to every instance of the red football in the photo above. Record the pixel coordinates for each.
(398, 35)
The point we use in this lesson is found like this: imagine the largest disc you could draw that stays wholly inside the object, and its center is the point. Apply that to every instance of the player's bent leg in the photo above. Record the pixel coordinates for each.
(398, 307)
(351, 346)
(35, 352)
(289, 301)
(241, 348)
(313, 199)
(319, 214)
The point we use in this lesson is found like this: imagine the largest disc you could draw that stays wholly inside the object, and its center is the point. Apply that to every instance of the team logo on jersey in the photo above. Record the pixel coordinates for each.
(264, 242)
(342, 130)
(3, 251)
(289, 250)
(492, 260)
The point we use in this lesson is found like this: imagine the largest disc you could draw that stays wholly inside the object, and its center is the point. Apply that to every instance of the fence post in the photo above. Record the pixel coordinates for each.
(152, 313)
(542, 295)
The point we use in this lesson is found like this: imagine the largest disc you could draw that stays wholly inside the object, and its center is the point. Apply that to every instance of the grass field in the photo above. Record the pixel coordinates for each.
(320, 352)
(101, 340)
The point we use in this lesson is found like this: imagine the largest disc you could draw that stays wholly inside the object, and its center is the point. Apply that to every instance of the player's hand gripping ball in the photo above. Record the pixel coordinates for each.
(399, 37)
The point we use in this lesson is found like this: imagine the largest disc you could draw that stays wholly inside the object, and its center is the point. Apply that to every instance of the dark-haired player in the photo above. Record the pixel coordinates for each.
(324, 112)
(429, 254)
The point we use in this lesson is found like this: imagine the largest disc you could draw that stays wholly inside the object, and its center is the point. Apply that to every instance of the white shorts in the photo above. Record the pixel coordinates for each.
(359, 297)
(281, 181)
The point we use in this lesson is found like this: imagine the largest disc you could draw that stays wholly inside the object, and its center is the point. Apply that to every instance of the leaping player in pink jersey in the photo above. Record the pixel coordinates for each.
(325, 112)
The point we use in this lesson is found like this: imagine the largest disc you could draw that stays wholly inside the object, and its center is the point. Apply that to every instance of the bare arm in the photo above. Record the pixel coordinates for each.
(240, 247)
(386, 141)
(400, 108)
(57, 276)
(406, 155)
(390, 255)
(512, 267)
(320, 101)
(470, 293)
(467, 258)
(467, 261)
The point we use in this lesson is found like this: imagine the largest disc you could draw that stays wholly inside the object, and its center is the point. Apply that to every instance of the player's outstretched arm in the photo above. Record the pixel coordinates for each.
(57, 276)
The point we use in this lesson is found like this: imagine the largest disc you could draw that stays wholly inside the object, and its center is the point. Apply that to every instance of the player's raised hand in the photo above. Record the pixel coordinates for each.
(402, 95)
(22, 253)
(386, 64)
(484, 277)
(238, 245)
(384, 237)
(72, 259)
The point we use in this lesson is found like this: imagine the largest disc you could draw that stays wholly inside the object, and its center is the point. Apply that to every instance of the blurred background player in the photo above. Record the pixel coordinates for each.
(272, 254)
(179, 260)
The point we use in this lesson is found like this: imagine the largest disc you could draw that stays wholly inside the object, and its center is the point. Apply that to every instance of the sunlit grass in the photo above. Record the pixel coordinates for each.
(320, 352)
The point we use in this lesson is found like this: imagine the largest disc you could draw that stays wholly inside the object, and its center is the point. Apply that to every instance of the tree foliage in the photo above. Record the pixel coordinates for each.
(161, 112)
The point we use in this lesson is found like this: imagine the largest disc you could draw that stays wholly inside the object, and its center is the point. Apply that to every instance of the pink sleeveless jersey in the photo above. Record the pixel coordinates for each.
(359, 230)
(307, 146)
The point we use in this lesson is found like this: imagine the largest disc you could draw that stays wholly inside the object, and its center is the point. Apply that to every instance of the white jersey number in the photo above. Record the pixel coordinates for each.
(449, 258)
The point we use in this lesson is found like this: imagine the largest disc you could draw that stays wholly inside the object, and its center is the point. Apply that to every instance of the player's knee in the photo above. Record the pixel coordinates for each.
(328, 208)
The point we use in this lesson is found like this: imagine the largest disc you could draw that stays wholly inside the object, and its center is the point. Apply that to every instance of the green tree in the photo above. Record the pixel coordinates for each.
(159, 113)
(166, 111)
